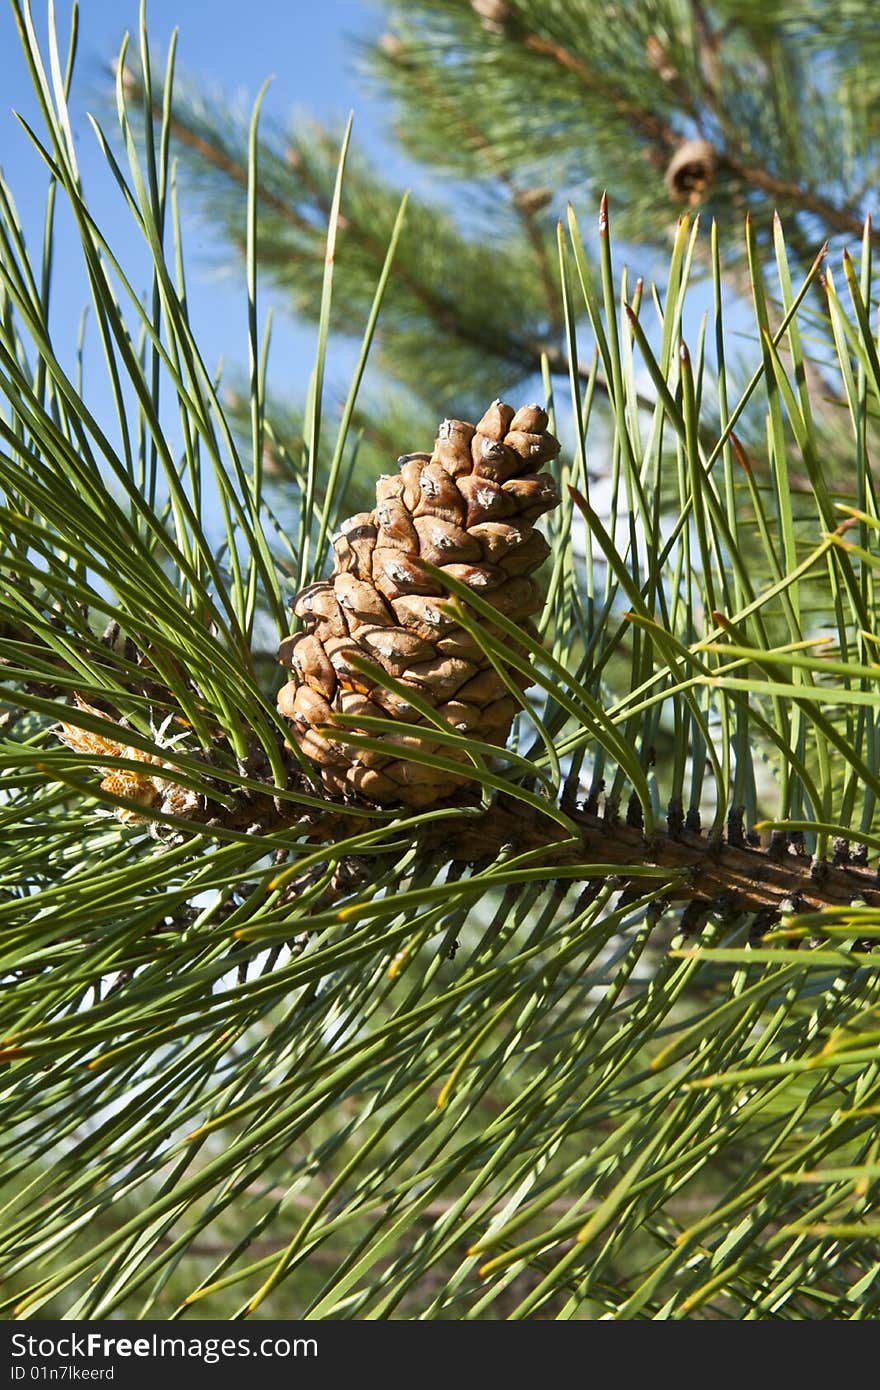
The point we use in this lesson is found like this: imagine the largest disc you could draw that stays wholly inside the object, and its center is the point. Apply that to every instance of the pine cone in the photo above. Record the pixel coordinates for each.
(691, 172)
(468, 509)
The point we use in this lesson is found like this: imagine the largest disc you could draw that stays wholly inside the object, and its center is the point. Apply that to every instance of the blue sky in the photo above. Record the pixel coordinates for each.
(310, 52)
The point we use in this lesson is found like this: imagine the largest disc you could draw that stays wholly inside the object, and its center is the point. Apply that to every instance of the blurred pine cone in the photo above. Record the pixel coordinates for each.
(468, 509)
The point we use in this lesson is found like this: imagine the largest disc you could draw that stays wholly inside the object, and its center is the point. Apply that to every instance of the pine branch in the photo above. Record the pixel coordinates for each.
(645, 121)
(659, 124)
(727, 875)
(730, 158)
(524, 202)
(523, 354)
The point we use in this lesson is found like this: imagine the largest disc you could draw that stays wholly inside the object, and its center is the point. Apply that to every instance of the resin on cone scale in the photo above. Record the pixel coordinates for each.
(468, 508)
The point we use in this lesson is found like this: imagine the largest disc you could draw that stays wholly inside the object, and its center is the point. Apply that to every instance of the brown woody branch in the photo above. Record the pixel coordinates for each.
(727, 874)
(738, 876)
(648, 122)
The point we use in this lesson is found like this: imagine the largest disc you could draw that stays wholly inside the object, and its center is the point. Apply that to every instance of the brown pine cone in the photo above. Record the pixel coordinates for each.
(468, 508)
